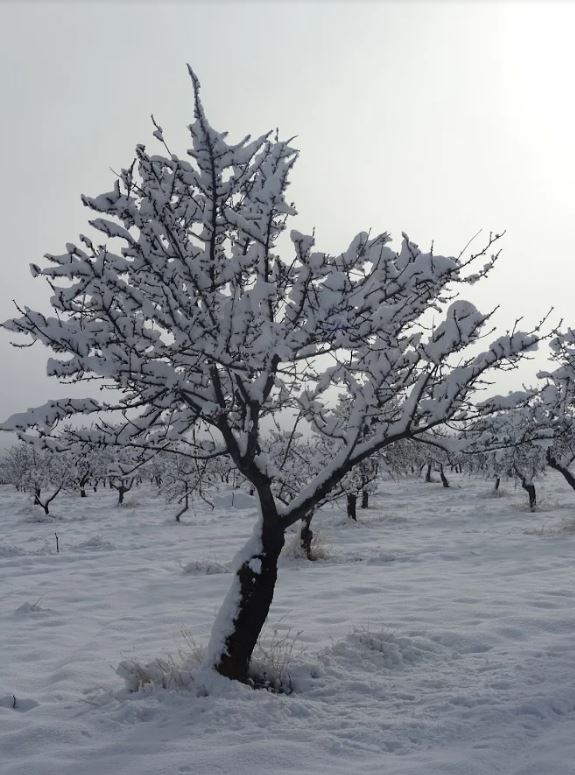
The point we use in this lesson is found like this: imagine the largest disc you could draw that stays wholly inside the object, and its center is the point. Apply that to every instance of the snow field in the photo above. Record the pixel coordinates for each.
(436, 637)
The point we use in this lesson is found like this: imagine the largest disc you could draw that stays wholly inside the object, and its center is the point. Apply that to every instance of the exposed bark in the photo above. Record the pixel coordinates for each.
(46, 503)
(497, 483)
(563, 470)
(257, 578)
(306, 536)
(82, 484)
(428, 473)
(38, 502)
(444, 480)
(352, 506)
(122, 486)
(365, 499)
(530, 490)
(185, 501)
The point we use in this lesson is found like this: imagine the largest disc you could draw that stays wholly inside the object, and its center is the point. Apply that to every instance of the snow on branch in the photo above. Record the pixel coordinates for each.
(193, 313)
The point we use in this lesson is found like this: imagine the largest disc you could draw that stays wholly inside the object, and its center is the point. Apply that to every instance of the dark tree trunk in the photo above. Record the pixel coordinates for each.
(38, 502)
(444, 480)
(566, 473)
(306, 536)
(185, 503)
(530, 489)
(257, 578)
(428, 473)
(46, 503)
(83, 492)
(497, 483)
(352, 506)
(365, 499)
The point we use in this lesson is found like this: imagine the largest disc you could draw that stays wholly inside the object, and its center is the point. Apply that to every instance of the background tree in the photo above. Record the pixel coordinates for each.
(513, 444)
(183, 478)
(44, 474)
(14, 465)
(557, 399)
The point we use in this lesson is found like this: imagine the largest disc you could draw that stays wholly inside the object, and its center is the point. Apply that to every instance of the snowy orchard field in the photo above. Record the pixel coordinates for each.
(436, 636)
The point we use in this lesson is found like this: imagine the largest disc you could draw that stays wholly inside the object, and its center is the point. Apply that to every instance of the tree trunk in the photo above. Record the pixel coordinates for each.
(185, 503)
(497, 483)
(246, 607)
(428, 473)
(306, 536)
(38, 502)
(365, 499)
(351, 506)
(530, 489)
(83, 492)
(444, 480)
(569, 478)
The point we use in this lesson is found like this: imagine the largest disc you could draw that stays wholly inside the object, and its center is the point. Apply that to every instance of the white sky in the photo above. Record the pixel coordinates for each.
(433, 118)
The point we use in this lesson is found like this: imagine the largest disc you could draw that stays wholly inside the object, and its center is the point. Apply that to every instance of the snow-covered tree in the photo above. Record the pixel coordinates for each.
(14, 465)
(184, 477)
(557, 399)
(511, 444)
(40, 472)
(358, 482)
(205, 322)
(124, 468)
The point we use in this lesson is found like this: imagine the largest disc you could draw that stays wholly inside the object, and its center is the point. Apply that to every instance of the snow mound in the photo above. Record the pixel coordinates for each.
(170, 673)
(96, 542)
(7, 550)
(381, 558)
(566, 527)
(16, 703)
(233, 499)
(205, 568)
(381, 649)
(27, 609)
(35, 514)
(156, 674)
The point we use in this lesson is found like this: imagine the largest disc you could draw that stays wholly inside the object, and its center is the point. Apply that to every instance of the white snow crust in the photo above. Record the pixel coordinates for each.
(437, 638)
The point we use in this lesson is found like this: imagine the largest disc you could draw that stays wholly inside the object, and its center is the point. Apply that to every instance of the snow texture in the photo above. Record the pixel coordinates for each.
(437, 641)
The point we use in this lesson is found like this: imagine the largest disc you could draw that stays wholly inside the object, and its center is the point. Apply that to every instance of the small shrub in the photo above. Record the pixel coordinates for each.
(169, 672)
(271, 661)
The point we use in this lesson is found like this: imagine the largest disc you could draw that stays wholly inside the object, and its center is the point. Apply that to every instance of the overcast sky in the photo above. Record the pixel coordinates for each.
(437, 119)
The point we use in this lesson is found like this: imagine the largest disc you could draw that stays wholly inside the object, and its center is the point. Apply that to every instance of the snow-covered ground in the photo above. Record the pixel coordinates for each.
(437, 637)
